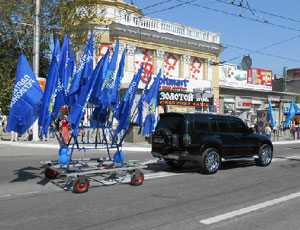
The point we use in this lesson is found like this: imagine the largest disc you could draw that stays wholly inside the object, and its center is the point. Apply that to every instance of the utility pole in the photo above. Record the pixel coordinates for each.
(36, 55)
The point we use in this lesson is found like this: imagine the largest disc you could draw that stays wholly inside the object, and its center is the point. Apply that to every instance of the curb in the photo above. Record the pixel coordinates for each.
(125, 148)
(56, 146)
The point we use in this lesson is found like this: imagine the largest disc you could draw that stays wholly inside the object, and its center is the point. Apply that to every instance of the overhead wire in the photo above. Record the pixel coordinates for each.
(232, 3)
(259, 51)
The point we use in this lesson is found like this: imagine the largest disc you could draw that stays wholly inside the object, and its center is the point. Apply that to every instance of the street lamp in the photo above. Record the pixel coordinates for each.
(36, 55)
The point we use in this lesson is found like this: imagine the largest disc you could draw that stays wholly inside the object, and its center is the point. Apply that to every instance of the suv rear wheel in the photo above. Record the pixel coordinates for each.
(211, 161)
(175, 164)
(265, 155)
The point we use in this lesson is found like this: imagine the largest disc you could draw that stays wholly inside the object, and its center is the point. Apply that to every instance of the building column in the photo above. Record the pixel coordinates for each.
(184, 69)
(213, 76)
(130, 58)
(159, 60)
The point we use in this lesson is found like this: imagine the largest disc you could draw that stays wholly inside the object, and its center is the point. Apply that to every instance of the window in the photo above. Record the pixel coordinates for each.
(201, 123)
(173, 123)
(237, 126)
(223, 126)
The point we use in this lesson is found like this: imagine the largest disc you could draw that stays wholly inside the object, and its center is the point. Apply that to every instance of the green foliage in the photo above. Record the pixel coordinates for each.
(16, 34)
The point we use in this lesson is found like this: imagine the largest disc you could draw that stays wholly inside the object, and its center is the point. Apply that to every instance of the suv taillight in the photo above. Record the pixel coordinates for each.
(186, 139)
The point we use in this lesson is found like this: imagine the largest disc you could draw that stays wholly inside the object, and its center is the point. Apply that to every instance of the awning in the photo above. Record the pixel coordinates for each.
(257, 102)
(229, 100)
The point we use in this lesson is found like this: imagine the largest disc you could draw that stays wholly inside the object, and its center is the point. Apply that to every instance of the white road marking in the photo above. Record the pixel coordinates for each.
(5, 196)
(149, 176)
(249, 209)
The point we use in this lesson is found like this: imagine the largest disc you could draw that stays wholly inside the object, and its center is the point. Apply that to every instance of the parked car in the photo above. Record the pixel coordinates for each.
(208, 139)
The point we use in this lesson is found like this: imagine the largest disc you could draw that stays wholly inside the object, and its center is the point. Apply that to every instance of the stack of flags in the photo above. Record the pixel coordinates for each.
(76, 86)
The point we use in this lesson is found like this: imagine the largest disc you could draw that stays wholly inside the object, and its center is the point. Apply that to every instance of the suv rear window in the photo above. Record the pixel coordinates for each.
(174, 123)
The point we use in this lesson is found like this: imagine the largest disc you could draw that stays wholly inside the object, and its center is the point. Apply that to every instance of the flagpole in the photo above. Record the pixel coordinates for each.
(36, 56)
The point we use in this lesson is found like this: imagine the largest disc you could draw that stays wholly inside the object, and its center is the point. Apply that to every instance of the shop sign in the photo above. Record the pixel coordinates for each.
(181, 98)
(171, 84)
(286, 107)
(274, 98)
(243, 103)
(175, 84)
(293, 73)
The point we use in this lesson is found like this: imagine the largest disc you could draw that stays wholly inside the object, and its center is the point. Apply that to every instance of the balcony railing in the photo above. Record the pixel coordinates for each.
(166, 27)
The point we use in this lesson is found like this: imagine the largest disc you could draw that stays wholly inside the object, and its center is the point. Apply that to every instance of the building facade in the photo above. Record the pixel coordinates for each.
(247, 94)
(183, 53)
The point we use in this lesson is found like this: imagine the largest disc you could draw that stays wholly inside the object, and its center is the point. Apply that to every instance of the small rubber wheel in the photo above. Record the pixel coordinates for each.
(265, 155)
(51, 174)
(81, 185)
(211, 161)
(137, 178)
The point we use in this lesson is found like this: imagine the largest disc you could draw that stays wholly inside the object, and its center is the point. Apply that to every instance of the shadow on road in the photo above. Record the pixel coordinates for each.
(190, 167)
(29, 173)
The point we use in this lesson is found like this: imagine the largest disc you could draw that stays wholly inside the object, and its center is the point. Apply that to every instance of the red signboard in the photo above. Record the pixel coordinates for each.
(293, 73)
(261, 77)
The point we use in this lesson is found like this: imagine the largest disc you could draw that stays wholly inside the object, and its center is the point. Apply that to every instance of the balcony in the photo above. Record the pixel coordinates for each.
(166, 27)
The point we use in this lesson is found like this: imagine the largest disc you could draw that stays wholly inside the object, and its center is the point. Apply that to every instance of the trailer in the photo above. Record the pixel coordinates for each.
(78, 175)
(81, 174)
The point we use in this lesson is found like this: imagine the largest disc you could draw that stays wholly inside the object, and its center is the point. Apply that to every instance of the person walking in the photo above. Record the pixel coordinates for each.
(293, 130)
(268, 131)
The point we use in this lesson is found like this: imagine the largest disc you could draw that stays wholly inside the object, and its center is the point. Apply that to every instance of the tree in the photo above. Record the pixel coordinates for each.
(16, 36)
(72, 17)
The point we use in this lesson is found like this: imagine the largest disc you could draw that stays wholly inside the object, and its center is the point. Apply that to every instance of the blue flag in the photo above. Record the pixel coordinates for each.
(65, 71)
(108, 83)
(272, 119)
(97, 90)
(123, 111)
(45, 115)
(140, 107)
(292, 112)
(26, 100)
(77, 109)
(119, 76)
(151, 100)
(83, 72)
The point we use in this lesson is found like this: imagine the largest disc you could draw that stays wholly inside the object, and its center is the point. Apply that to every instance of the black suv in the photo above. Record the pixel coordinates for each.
(207, 138)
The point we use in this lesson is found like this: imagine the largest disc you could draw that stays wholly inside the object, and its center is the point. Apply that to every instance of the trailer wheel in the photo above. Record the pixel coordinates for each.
(137, 178)
(51, 174)
(81, 185)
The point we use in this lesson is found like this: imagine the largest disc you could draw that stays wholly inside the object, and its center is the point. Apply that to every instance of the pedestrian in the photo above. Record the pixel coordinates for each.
(298, 130)
(14, 136)
(1, 123)
(268, 131)
(30, 134)
(293, 130)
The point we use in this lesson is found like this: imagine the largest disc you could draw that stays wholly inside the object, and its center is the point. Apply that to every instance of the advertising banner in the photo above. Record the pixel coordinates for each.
(293, 74)
(145, 57)
(171, 65)
(261, 78)
(233, 77)
(196, 68)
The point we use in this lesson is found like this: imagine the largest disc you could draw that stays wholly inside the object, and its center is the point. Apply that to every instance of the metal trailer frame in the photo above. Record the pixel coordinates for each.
(79, 174)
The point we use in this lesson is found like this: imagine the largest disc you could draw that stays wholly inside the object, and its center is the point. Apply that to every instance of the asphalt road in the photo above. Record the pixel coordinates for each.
(239, 196)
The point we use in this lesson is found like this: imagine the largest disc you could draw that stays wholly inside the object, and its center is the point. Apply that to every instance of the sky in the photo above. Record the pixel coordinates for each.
(276, 36)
